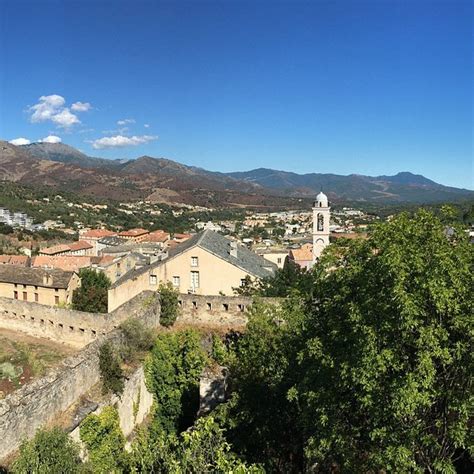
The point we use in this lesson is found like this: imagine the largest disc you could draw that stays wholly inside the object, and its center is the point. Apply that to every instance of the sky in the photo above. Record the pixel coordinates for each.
(365, 87)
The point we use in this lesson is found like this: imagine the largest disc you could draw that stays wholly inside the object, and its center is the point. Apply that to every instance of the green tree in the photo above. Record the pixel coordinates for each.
(263, 368)
(104, 441)
(91, 296)
(49, 451)
(169, 304)
(387, 368)
(205, 449)
(111, 372)
(173, 369)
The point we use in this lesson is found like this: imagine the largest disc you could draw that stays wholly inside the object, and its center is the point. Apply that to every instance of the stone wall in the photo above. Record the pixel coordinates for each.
(215, 311)
(132, 407)
(40, 402)
(75, 328)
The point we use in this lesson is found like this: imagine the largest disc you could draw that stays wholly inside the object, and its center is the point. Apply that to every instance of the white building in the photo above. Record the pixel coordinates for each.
(321, 216)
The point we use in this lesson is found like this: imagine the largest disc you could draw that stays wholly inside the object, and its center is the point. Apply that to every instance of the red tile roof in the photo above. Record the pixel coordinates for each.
(97, 234)
(133, 232)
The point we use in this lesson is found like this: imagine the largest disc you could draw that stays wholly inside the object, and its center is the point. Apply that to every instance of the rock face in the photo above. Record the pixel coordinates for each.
(212, 389)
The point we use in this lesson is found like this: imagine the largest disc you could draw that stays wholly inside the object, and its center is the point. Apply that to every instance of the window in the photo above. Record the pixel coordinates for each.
(194, 280)
(194, 261)
(279, 260)
(56, 300)
(15, 295)
(153, 280)
(25, 296)
(36, 297)
(243, 281)
(176, 281)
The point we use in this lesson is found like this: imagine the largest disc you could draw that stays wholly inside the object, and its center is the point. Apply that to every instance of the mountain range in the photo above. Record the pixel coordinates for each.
(163, 180)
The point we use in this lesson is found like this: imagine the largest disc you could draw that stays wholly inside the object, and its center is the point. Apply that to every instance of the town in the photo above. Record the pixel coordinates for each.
(236, 237)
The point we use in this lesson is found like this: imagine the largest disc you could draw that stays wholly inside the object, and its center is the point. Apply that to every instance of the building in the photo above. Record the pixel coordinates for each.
(48, 287)
(207, 264)
(75, 248)
(302, 256)
(136, 235)
(274, 255)
(321, 217)
(112, 241)
(158, 236)
(21, 260)
(93, 236)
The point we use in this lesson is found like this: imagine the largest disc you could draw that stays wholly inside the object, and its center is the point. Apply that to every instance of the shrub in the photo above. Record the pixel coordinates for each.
(172, 373)
(104, 440)
(137, 338)
(169, 304)
(49, 451)
(110, 371)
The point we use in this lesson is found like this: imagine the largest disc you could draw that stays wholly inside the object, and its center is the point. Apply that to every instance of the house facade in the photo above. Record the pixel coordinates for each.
(38, 285)
(206, 264)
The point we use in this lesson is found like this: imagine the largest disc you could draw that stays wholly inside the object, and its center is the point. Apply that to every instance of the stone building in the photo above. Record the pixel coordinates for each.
(48, 287)
(206, 264)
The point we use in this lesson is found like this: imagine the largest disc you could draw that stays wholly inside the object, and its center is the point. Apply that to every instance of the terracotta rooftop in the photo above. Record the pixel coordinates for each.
(69, 262)
(133, 232)
(80, 245)
(14, 260)
(304, 253)
(157, 236)
(97, 234)
(55, 249)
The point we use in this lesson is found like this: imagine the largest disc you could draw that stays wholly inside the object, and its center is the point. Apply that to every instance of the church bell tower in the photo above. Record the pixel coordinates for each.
(321, 215)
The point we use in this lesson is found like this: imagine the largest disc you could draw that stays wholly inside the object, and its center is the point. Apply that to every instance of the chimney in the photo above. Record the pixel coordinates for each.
(233, 249)
(47, 279)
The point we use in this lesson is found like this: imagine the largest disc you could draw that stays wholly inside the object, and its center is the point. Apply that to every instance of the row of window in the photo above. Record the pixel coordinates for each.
(194, 280)
(36, 297)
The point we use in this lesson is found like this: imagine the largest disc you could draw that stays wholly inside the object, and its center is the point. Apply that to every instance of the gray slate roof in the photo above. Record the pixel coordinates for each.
(35, 276)
(219, 246)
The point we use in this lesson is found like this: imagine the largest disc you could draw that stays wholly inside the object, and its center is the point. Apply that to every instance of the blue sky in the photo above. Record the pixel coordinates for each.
(342, 86)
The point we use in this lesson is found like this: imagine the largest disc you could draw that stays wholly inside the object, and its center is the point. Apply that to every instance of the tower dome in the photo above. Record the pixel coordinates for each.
(321, 200)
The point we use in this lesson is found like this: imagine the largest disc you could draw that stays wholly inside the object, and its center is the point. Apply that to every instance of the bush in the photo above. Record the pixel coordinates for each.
(104, 440)
(49, 451)
(110, 371)
(169, 304)
(137, 338)
(172, 372)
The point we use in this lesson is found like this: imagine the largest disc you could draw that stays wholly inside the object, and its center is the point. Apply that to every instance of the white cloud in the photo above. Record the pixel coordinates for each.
(51, 139)
(80, 106)
(53, 108)
(146, 125)
(125, 121)
(46, 108)
(20, 141)
(120, 141)
(65, 118)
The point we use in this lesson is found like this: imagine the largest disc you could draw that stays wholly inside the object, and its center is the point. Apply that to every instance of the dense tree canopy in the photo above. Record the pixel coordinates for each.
(91, 296)
(377, 372)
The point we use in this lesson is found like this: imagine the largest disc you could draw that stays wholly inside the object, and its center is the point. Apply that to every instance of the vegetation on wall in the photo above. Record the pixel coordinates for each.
(49, 451)
(104, 441)
(91, 296)
(111, 373)
(169, 304)
(172, 372)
